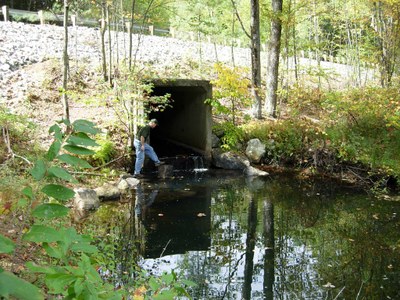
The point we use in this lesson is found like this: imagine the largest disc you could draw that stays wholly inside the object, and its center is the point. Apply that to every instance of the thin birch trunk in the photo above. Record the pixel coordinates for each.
(103, 46)
(64, 99)
(109, 45)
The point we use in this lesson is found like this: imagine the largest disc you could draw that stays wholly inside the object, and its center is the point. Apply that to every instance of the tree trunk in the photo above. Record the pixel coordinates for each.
(296, 74)
(269, 245)
(255, 58)
(250, 246)
(130, 35)
(64, 99)
(109, 45)
(274, 46)
(233, 34)
(102, 34)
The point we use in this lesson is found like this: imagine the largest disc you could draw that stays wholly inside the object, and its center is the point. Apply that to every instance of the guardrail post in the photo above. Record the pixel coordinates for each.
(151, 29)
(102, 24)
(6, 13)
(74, 20)
(41, 17)
(172, 32)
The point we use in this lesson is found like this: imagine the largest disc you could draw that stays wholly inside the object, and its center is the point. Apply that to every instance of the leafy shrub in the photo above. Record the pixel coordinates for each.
(232, 135)
(292, 140)
(304, 101)
(104, 152)
(16, 135)
(67, 259)
(364, 125)
(231, 94)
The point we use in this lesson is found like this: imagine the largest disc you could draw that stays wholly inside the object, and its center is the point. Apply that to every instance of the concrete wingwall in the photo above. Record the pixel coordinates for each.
(188, 122)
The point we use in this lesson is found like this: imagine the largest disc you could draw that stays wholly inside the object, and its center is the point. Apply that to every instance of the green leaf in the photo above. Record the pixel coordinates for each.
(78, 287)
(39, 170)
(85, 126)
(65, 122)
(154, 285)
(58, 192)
(74, 161)
(53, 150)
(50, 211)
(167, 278)
(57, 132)
(28, 192)
(53, 251)
(6, 245)
(11, 285)
(57, 283)
(41, 234)
(44, 270)
(78, 150)
(62, 174)
(84, 247)
(188, 283)
(82, 139)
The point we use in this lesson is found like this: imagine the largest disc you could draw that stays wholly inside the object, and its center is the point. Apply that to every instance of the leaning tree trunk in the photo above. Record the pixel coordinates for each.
(273, 59)
(103, 43)
(64, 98)
(255, 58)
(109, 45)
(130, 34)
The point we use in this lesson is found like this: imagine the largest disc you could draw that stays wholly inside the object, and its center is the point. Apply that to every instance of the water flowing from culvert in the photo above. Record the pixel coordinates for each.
(186, 163)
(263, 238)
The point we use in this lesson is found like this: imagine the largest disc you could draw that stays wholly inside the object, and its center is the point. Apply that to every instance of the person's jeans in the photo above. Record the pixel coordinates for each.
(148, 150)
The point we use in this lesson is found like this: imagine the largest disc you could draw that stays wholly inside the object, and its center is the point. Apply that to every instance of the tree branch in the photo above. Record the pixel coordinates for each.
(240, 20)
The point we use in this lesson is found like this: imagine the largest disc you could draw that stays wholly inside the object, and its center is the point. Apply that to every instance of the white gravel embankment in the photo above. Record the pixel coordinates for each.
(26, 44)
(22, 45)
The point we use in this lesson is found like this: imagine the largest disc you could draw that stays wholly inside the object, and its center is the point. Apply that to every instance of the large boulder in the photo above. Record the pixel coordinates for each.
(229, 160)
(127, 183)
(251, 171)
(108, 192)
(255, 150)
(86, 200)
(235, 161)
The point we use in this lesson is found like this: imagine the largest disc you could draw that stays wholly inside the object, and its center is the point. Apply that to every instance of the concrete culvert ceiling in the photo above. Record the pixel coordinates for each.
(185, 127)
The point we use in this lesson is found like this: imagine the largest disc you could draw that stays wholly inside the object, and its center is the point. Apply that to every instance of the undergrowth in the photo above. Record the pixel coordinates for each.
(357, 127)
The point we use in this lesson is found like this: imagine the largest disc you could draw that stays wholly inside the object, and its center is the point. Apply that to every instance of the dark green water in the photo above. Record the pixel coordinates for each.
(267, 238)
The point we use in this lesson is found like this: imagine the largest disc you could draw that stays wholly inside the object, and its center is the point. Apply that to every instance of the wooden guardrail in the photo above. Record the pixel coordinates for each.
(44, 17)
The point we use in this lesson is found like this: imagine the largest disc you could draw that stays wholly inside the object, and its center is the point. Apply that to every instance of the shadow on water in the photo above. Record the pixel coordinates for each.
(266, 238)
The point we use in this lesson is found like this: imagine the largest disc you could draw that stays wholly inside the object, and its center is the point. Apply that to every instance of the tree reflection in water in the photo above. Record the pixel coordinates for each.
(270, 238)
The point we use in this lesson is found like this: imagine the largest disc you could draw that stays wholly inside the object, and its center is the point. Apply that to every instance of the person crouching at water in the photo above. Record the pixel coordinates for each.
(143, 148)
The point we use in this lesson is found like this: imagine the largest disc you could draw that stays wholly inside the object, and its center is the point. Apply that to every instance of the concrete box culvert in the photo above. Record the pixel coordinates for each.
(187, 124)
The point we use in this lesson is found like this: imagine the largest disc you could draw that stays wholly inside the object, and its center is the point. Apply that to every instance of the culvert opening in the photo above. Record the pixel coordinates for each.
(184, 128)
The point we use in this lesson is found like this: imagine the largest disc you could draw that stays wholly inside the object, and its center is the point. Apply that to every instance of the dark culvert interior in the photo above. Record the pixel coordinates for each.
(185, 127)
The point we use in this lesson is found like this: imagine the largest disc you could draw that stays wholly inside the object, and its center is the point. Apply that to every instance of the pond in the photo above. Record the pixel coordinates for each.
(277, 237)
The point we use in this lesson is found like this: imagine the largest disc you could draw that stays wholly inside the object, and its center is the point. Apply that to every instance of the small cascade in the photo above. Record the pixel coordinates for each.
(190, 163)
(198, 164)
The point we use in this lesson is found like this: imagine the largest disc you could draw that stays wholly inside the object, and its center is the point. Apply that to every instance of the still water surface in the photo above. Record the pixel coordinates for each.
(266, 238)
